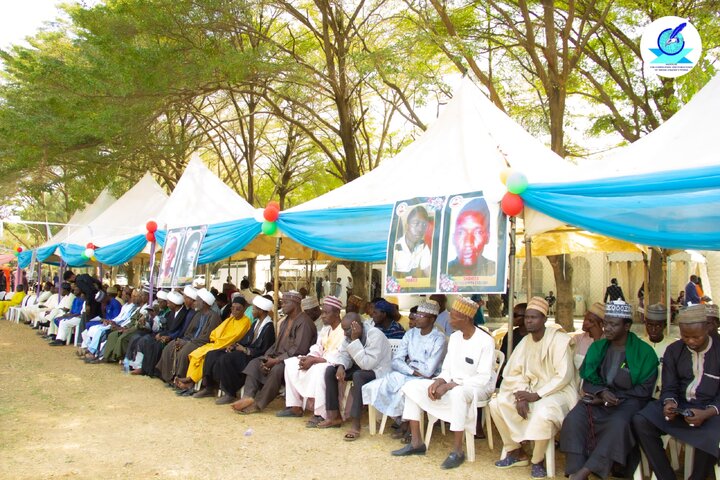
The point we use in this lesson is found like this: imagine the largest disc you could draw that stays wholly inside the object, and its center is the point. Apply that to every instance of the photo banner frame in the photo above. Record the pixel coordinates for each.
(453, 244)
(180, 255)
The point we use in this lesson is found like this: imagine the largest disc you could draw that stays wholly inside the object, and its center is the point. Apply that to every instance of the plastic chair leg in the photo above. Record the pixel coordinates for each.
(470, 445)
(372, 419)
(383, 422)
(550, 458)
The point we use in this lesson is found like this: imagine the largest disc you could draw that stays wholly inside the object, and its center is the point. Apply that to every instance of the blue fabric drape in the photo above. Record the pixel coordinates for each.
(677, 209)
(222, 240)
(357, 233)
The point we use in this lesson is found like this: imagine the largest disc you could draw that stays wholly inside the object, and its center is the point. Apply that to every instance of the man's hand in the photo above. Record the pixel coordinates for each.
(699, 416)
(340, 374)
(307, 362)
(609, 399)
(669, 411)
(355, 330)
(433, 389)
(523, 408)
(528, 397)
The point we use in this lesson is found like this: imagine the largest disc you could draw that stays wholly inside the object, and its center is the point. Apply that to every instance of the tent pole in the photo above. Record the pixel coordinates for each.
(511, 287)
(276, 279)
(151, 283)
(528, 266)
(668, 305)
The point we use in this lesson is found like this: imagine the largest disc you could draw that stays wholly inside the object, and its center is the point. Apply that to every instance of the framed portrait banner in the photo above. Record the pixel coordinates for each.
(475, 242)
(173, 244)
(414, 245)
(188, 255)
(180, 256)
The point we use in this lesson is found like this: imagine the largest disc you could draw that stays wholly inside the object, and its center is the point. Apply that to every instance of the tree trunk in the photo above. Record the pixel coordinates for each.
(251, 272)
(130, 274)
(656, 283)
(565, 305)
(359, 272)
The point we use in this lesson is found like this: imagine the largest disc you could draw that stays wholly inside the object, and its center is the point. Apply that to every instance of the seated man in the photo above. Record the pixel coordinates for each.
(369, 349)
(264, 374)
(419, 356)
(149, 347)
(383, 319)
(305, 375)
(225, 366)
(655, 323)
(537, 391)
(39, 304)
(619, 374)
(592, 330)
(93, 337)
(47, 300)
(227, 333)
(14, 301)
(196, 335)
(689, 402)
(467, 377)
(120, 337)
(71, 320)
(61, 308)
(76, 305)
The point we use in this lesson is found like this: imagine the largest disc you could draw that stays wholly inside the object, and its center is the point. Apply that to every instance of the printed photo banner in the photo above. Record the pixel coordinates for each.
(455, 244)
(180, 256)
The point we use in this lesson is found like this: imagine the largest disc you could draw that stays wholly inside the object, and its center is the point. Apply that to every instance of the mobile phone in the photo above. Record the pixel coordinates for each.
(685, 412)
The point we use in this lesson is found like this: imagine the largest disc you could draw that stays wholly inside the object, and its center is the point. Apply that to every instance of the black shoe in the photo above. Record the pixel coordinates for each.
(453, 460)
(410, 450)
(56, 343)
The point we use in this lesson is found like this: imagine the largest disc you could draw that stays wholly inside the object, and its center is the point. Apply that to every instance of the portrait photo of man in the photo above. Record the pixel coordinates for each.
(412, 256)
(167, 264)
(188, 256)
(470, 235)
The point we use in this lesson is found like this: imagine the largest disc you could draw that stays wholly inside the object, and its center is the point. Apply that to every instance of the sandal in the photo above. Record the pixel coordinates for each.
(351, 436)
(330, 424)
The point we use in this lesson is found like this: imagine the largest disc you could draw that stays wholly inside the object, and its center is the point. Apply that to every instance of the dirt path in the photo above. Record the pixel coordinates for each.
(61, 418)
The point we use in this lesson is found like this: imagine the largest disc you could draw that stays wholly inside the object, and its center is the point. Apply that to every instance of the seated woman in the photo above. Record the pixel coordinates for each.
(619, 374)
(419, 356)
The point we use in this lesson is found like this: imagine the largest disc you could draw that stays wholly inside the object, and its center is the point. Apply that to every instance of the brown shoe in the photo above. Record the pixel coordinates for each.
(226, 399)
(204, 393)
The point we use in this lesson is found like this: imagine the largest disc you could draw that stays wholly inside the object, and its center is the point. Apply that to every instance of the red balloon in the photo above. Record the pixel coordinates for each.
(19, 249)
(271, 213)
(512, 204)
(274, 204)
(90, 245)
(151, 226)
(150, 236)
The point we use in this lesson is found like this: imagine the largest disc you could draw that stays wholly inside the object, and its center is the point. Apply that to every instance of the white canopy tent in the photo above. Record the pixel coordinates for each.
(81, 218)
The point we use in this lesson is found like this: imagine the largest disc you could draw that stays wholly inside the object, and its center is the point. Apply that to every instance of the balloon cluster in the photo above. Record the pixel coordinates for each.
(151, 227)
(89, 252)
(270, 214)
(17, 250)
(512, 203)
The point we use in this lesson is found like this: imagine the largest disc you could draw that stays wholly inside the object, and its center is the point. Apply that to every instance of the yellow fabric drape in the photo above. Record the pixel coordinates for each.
(227, 333)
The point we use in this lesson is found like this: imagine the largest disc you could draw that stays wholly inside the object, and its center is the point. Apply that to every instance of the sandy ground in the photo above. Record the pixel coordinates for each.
(61, 418)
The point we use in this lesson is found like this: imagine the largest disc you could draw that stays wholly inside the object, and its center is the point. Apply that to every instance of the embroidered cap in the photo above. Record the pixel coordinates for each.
(538, 304)
(292, 296)
(618, 309)
(308, 303)
(355, 300)
(333, 302)
(465, 306)
(712, 311)
(656, 313)
(384, 306)
(429, 306)
(692, 314)
(598, 309)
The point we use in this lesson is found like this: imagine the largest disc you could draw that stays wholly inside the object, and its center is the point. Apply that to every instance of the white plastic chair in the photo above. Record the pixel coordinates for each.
(372, 411)
(674, 446)
(469, 436)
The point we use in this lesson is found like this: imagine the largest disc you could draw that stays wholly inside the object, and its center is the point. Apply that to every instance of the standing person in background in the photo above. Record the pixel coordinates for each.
(691, 293)
(319, 287)
(326, 287)
(613, 292)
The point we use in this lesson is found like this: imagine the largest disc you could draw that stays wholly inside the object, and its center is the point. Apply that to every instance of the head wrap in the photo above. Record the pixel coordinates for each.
(333, 302)
(692, 314)
(175, 297)
(162, 295)
(712, 310)
(538, 304)
(206, 296)
(598, 309)
(355, 300)
(465, 306)
(308, 303)
(384, 306)
(189, 291)
(99, 296)
(618, 309)
(112, 290)
(263, 303)
(656, 313)
(292, 296)
(429, 306)
(65, 286)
